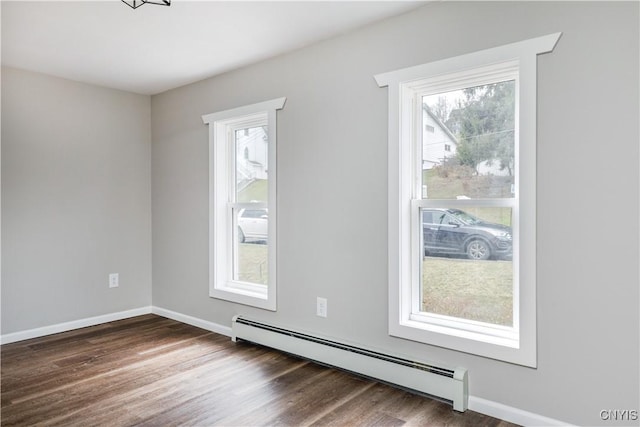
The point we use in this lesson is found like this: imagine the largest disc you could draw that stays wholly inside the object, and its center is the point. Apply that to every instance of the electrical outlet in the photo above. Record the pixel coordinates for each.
(114, 280)
(321, 307)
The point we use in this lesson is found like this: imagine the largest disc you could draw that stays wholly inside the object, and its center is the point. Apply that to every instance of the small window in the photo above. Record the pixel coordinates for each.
(242, 192)
(429, 128)
(462, 225)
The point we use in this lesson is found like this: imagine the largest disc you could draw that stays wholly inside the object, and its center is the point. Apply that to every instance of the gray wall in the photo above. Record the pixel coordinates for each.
(76, 200)
(333, 181)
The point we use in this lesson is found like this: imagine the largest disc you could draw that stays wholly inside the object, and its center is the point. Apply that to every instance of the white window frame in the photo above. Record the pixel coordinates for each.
(222, 225)
(517, 344)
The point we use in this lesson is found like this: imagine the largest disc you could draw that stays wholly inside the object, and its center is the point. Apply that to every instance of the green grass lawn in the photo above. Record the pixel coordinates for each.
(473, 290)
(456, 184)
(257, 191)
(253, 265)
(449, 182)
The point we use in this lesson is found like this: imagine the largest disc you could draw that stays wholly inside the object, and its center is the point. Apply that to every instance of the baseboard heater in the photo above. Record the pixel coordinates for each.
(446, 384)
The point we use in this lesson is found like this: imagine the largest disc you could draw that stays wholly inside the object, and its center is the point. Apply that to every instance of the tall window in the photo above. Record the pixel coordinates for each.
(242, 235)
(462, 225)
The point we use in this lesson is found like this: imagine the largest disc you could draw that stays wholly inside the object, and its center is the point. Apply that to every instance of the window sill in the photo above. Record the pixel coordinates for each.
(468, 330)
(475, 343)
(245, 293)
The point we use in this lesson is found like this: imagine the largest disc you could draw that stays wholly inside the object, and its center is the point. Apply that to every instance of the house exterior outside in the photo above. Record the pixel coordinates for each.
(251, 155)
(438, 143)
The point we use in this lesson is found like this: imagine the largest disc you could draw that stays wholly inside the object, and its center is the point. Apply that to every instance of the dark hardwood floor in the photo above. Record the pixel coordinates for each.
(153, 371)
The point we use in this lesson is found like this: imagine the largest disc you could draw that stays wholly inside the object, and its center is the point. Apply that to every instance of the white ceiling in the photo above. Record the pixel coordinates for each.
(155, 48)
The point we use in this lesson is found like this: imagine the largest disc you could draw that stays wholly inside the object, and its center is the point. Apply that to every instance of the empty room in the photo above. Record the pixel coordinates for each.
(345, 213)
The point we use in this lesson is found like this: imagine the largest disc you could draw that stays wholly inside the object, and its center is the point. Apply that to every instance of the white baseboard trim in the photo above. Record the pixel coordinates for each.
(97, 320)
(194, 321)
(511, 414)
(75, 324)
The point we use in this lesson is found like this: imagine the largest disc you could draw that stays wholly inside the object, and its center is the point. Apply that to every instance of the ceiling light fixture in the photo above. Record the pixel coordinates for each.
(134, 4)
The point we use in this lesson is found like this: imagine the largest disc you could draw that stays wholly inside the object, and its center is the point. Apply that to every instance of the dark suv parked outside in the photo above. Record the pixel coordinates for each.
(455, 232)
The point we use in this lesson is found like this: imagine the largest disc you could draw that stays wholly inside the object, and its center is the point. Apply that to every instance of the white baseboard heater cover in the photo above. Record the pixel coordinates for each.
(444, 383)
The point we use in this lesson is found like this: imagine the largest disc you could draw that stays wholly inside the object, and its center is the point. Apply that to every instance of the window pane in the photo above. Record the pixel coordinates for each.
(251, 164)
(467, 270)
(251, 249)
(470, 153)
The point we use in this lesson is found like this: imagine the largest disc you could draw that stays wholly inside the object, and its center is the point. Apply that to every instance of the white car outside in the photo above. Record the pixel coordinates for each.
(253, 224)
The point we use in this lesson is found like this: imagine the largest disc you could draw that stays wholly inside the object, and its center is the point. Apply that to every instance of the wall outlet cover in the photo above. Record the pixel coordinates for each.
(114, 280)
(321, 307)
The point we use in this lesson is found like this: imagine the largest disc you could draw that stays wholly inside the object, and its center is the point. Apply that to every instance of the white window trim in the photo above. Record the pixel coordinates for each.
(221, 219)
(475, 338)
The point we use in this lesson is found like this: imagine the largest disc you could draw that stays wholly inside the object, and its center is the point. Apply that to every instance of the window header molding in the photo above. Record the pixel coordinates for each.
(245, 110)
(498, 54)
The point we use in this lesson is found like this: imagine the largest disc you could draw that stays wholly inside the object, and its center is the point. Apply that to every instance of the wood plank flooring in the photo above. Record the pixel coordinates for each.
(153, 371)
